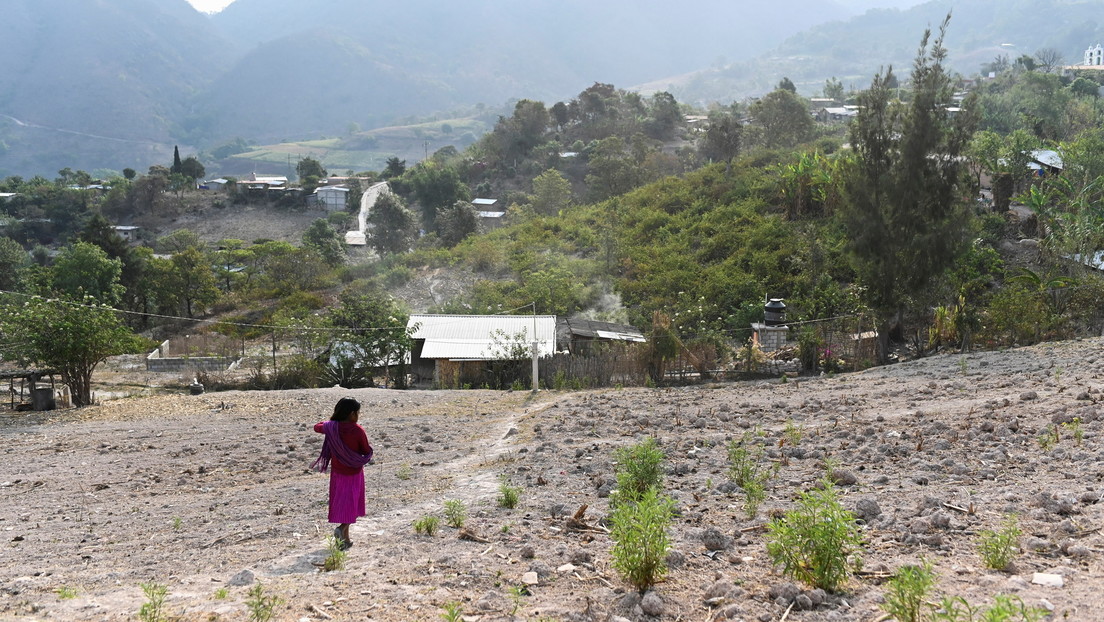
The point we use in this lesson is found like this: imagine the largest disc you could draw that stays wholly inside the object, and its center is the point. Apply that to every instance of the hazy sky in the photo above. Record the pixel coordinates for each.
(210, 6)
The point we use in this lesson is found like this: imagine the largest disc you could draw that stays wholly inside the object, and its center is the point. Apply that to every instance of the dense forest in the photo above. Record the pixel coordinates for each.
(927, 213)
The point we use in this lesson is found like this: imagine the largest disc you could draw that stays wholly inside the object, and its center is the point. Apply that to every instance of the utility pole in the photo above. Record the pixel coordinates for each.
(536, 341)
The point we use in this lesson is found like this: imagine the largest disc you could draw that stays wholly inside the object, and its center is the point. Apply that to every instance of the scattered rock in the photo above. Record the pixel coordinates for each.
(714, 540)
(1047, 580)
(652, 604)
(243, 578)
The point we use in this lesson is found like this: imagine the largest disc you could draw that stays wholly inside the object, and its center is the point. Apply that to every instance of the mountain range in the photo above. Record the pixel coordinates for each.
(108, 84)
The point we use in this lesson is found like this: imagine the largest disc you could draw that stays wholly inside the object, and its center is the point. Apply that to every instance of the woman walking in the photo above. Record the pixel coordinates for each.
(346, 445)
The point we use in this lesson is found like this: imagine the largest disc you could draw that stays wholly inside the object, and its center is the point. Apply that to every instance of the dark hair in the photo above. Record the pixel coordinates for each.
(345, 408)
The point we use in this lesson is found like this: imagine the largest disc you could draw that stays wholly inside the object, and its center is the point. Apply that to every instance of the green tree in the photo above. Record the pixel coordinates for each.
(1006, 159)
(395, 168)
(376, 326)
(392, 226)
(310, 174)
(179, 240)
(436, 187)
(84, 269)
(192, 168)
(551, 193)
(326, 241)
(13, 260)
(614, 169)
(782, 117)
(664, 116)
(176, 160)
(786, 85)
(457, 222)
(70, 337)
(721, 140)
(194, 281)
(906, 219)
(833, 89)
(309, 167)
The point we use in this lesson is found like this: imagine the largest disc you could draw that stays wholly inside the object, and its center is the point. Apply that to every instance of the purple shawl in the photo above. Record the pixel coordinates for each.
(334, 447)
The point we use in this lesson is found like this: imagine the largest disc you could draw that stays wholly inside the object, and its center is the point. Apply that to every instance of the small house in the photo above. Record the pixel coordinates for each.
(581, 336)
(454, 350)
(331, 198)
(129, 233)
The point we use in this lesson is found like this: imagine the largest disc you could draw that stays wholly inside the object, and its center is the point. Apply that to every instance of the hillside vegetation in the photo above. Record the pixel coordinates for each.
(622, 208)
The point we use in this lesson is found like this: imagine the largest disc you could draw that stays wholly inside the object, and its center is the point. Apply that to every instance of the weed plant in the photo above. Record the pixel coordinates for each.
(1006, 608)
(517, 593)
(455, 513)
(792, 433)
(153, 610)
(261, 608)
(335, 555)
(453, 612)
(998, 548)
(907, 593)
(639, 532)
(427, 525)
(65, 592)
(404, 472)
(747, 471)
(222, 593)
(508, 496)
(639, 469)
(818, 542)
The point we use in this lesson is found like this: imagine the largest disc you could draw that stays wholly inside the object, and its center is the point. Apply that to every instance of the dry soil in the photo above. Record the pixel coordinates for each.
(211, 496)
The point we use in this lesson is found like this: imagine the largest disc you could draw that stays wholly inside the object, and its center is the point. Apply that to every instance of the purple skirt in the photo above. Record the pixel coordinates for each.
(346, 497)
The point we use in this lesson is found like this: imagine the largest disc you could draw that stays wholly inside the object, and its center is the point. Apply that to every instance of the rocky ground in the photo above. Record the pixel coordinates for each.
(211, 496)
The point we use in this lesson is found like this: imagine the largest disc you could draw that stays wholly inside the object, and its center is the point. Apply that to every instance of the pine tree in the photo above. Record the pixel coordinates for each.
(906, 218)
(176, 160)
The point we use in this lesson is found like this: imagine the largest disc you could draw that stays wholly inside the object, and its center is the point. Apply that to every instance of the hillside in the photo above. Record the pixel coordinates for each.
(854, 49)
(102, 84)
(929, 454)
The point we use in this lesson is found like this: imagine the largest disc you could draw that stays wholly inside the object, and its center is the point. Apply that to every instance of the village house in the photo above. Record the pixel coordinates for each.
(454, 350)
(330, 198)
(581, 336)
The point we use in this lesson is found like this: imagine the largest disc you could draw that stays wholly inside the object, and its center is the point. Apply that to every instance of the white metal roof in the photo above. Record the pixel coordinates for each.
(484, 201)
(621, 336)
(481, 337)
(1047, 157)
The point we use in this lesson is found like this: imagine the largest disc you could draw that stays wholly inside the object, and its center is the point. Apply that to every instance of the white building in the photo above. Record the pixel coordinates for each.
(1094, 55)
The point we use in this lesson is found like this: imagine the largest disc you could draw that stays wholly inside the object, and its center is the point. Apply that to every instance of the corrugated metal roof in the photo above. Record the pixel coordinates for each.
(473, 336)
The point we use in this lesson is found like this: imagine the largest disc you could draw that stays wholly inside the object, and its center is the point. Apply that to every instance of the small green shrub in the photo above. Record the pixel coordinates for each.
(792, 433)
(639, 469)
(1006, 608)
(508, 496)
(222, 593)
(747, 471)
(745, 458)
(404, 472)
(455, 513)
(261, 608)
(453, 612)
(335, 555)
(65, 592)
(818, 542)
(907, 593)
(427, 525)
(153, 609)
(639, 532)
(999, 548)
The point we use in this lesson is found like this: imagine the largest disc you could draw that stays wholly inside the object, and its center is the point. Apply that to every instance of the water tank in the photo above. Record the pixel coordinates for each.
(774, 312)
